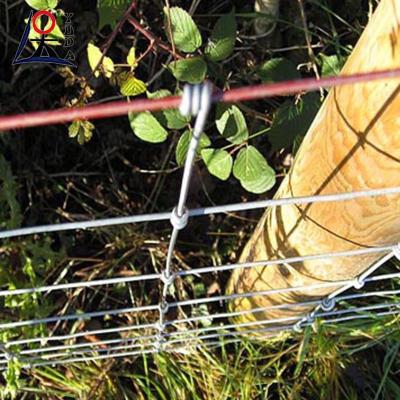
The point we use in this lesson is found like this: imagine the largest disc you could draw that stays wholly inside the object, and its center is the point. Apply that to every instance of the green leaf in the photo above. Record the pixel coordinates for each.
(94, 56)
(73, 129)
(12, 376)
(159, 94)
(42, 4)
(192, 70)
(110, 11)
(185, 34)
(219, 162)
(331, 65)
(82, 130)
(131, 86)
(253, 171)
(293, 120)
(171, 118)
(131, 58)
(303, 348)
(183, 146)
(278, 69)
(231, 124)
(146, 127)
(223, 37)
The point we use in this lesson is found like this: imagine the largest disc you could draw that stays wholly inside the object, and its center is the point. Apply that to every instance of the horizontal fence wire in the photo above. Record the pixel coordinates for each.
(154, 330)
(80, 285)
(77, 316)
(198, 334)
(196, 271)
(98, 344)
(222, 330)
(189, 338)
(197, 212)
(253, 92)
(88, 315)
(199, 318)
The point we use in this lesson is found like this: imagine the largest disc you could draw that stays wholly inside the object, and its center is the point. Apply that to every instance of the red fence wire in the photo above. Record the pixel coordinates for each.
(118, 108)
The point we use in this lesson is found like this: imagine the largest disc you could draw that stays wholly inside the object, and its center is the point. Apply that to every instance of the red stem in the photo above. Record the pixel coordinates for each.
(154, 41)
(118, 108)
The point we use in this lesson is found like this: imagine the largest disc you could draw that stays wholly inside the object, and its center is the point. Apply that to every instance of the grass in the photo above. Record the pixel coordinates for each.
(340, 362)
(48, 177)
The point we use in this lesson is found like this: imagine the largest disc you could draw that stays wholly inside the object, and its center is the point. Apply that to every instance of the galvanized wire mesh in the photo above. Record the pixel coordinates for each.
(163, 333)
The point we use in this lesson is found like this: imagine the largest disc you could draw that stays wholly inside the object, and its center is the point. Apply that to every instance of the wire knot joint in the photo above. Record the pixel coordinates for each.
(328, 304)
(179, 222)
(359, 283)
(163, 308)
(167, 279)
(195, 98)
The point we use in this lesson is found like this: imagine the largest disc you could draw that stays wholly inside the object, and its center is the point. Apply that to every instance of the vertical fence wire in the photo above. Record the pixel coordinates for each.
(196, 101)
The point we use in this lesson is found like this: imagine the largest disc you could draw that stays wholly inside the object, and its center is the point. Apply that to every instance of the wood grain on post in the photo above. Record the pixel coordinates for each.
(352, 145)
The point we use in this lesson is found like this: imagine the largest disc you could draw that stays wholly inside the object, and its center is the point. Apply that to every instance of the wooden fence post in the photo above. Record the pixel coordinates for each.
(352, 145)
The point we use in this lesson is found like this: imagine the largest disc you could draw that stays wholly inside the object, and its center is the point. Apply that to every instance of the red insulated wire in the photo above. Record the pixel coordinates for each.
(118, 108)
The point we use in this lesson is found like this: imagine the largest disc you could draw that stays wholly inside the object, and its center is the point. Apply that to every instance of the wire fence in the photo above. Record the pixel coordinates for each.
(162, 332)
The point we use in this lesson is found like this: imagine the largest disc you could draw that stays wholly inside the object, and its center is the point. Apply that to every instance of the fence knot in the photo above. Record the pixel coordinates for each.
(298, 326)
(194, 98)
(167, 278)
(160, 337)
(163, 308)
(179, 222)
(8, 355)
(359, 283)
(328, 304)
(308, 320)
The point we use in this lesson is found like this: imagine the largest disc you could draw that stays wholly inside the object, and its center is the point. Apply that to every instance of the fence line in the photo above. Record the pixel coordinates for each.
(163, 344)
(284, 306)
(201, 301)
(72, 336)
(254, 92)
(221, 331)
(189, 343)
(288, 260)
(83, 345)
(353, 282)
(215, 316)
(170, 335)
(77, 316)
(80, 285)
(197, 212)
(197, 271)
(192, 319)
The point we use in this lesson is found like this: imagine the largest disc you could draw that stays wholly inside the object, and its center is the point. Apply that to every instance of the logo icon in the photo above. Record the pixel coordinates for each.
(45, 53)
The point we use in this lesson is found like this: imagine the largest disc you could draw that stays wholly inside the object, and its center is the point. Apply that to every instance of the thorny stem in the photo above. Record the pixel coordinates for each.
(108, 44)
(154, 41)
(169, 26)
(308, 39)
